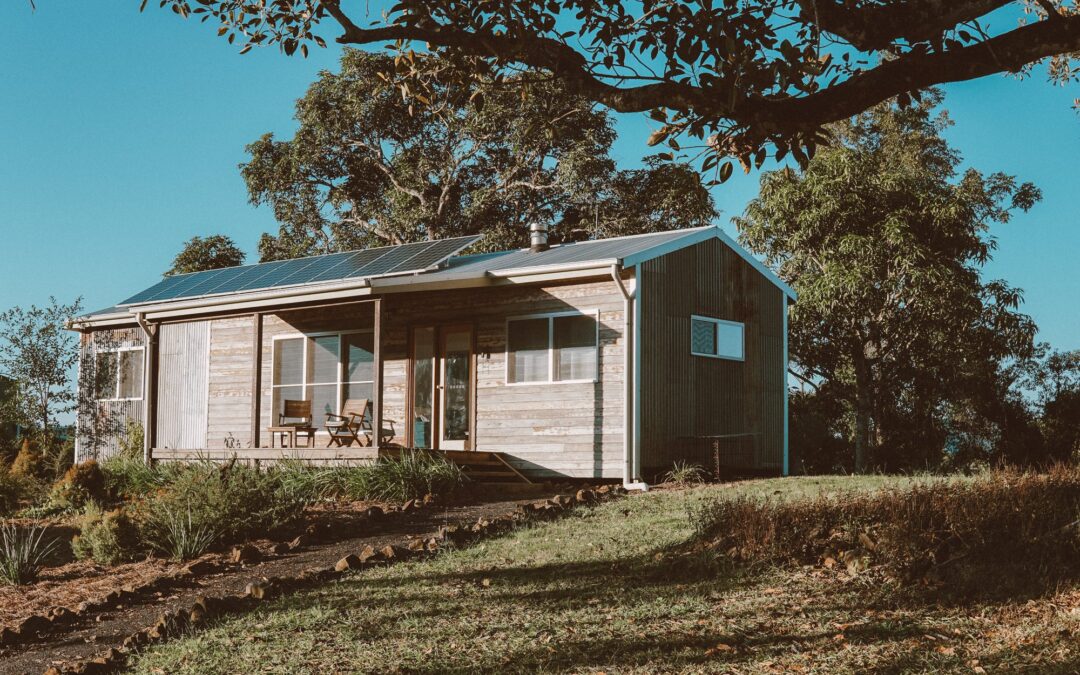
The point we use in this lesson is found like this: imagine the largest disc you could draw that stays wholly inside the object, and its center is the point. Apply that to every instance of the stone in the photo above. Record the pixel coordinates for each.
(197, 567)
(368, 553)
(32, 624)
(374, 513)
(297, 543)
(432, 544)
(244, 554)
(255, 590)
(603, 489)
(585, 496)
(409, 505)
(280, 548)
(391, 552)
(429, 499)
(416, 545)
(349, 562)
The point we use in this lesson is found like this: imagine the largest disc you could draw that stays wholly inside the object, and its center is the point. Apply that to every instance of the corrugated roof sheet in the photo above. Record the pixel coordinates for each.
(615, 250)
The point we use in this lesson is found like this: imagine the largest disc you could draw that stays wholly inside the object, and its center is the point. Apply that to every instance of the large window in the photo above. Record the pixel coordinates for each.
(716, 338)
(120, 374)
(324, 369)
(552, 348)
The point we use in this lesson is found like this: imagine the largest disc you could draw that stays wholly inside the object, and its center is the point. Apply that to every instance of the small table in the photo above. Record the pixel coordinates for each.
(291, 431)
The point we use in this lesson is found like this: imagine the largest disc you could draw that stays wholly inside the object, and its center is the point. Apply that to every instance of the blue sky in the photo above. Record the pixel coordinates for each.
(121, 132)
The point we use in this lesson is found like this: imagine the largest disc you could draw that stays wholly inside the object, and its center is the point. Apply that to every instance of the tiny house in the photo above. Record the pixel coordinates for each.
(603, 359)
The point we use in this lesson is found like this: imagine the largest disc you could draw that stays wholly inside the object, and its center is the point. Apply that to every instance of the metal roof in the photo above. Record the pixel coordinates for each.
(625, 251)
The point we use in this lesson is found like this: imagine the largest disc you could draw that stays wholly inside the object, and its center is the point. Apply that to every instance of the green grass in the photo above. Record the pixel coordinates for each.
(605, 590)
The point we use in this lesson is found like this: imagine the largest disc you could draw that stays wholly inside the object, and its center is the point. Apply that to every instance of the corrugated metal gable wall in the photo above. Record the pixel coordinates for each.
(183, 369)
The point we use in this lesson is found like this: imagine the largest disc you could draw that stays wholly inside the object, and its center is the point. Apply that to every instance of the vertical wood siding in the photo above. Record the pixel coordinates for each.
(101, 424)
(229, 396)
(183, 370)
(546, 430)
(686, 396)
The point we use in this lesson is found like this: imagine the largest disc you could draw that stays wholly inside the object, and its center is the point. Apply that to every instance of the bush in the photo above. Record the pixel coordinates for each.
(81, 484)
(28, 463)
(685, 473)
(23, 552)
(204, 504)
(311, 483)
(12, 490)
(130, 477)
(411, 475)
(131, 442)
(106, 537)
(999, 533)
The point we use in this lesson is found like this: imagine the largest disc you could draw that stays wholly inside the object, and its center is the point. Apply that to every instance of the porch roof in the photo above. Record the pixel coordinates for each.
(568, 260)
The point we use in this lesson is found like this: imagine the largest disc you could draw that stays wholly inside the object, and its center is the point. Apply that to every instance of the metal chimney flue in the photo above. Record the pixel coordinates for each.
(538, 237)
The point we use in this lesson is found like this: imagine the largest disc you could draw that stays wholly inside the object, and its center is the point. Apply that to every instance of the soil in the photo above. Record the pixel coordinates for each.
(340, 531)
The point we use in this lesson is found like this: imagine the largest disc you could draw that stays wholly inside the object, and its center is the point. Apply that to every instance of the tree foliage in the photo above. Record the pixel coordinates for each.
(206, 253)
(884, 240)
(370, 167)
(738, 76)
(38, 353)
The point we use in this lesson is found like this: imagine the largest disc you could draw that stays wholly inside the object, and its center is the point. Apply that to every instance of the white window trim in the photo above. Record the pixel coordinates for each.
(713, 320)
(116, 384)
(594, 313)
(343, 367)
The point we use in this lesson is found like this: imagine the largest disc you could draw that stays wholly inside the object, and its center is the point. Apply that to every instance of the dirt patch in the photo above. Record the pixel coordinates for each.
(335, 533)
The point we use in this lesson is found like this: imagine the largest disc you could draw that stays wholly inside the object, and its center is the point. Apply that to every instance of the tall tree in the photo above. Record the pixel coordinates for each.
(884, 240)
(39, 353)
(738, 75)
(206, 253)
(368, 167)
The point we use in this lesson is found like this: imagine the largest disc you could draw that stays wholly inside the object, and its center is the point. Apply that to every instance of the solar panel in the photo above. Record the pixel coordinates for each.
(373, 262)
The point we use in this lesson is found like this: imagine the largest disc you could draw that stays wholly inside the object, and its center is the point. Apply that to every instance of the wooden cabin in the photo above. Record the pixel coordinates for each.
(603, 359)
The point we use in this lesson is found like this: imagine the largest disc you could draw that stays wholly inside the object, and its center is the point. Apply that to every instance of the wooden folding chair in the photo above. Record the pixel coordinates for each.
(294, 420)
(346, 428)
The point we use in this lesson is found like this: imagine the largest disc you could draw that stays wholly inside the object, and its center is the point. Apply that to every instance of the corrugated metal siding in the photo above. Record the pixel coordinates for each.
(183, 367)
(101, 424)
(685, 396)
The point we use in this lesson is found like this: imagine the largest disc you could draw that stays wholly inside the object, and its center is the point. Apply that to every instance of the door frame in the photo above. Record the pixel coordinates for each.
(440, 330)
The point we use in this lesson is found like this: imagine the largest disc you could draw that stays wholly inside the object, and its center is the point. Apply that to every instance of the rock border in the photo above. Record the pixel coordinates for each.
(182, 621)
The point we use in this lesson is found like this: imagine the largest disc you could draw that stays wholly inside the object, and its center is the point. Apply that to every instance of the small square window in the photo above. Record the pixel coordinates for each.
(717, 338)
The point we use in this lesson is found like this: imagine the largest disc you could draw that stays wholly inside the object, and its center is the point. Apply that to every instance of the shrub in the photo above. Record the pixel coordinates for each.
(23, 552)
(311, 483)
(82, 483)
(106, 537)
(411, 475)
(130, 477)
(28, 463)
(179, 534)
(998, 533)
(685, 473)
(131, 442)
(204, 502)
(12, 490)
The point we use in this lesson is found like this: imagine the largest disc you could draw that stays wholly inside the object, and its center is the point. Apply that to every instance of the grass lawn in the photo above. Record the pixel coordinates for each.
(600, 591)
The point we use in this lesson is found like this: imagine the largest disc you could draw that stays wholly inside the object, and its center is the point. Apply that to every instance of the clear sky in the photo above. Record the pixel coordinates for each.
(121, 132)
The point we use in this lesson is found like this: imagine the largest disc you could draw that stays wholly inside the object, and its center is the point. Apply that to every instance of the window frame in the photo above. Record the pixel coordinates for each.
(718, 322)
(343, 369)
(551, 316)
(116, 398)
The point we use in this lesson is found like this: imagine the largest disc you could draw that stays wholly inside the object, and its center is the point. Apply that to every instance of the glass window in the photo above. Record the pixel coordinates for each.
(717, 338)
(131, 374)
(575, 347)
(423, 385)
(106, 375)
(527, 342)
(324, 369)
(119, 375)
(552, 349)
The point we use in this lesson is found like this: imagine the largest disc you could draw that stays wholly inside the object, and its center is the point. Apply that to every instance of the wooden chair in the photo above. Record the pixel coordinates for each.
(294, 420)
(354, 424)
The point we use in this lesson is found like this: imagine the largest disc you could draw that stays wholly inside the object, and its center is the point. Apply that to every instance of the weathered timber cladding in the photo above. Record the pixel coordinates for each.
(183, 369)
(101, 424)
(544, 429)
(686, 396)
(228, 420)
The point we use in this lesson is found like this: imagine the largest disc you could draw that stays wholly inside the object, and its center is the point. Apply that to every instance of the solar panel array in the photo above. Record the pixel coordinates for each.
(372, 262)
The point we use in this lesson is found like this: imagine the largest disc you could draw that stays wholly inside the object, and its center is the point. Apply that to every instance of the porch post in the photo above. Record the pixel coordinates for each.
(256, 379)
(377, 390)
(150, 377)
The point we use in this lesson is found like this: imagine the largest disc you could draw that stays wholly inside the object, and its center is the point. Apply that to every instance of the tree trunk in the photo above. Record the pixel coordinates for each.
(864, 405)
